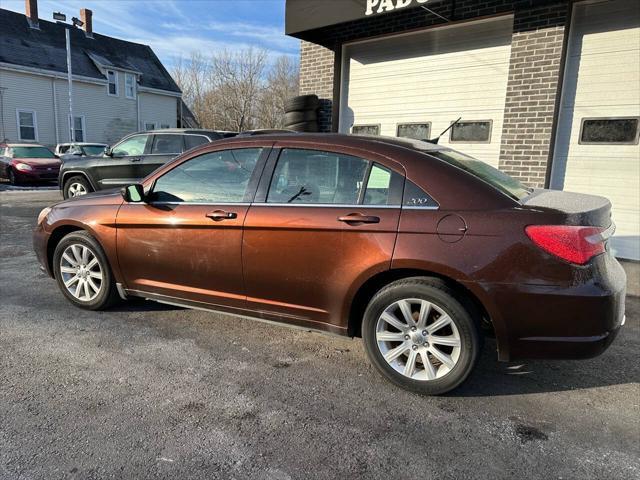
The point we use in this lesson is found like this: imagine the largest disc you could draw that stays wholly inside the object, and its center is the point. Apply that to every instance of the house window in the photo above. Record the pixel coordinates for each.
(416, 131)
(165, 125)
(77, 127)
(112, 79)
(130, 85)
(477, 131)
(366, 130)
(149, 126)
(27, 125)
(610, 130)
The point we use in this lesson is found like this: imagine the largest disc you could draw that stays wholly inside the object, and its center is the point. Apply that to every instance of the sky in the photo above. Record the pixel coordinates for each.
(175, 28)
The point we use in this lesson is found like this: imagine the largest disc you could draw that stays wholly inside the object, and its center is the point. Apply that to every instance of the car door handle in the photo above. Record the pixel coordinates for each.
(354, 218)
(137, 159)
(221, 215)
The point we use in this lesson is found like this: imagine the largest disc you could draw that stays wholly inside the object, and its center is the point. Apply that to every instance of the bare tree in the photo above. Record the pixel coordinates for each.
(192, 76)
(281, 84)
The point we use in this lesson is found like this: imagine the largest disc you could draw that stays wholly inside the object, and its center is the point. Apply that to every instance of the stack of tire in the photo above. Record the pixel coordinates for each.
(301, 113)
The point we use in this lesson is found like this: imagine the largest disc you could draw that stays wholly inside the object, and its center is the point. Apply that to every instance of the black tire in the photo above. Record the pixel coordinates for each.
(291, 118)
(77, 180)
(302, 102)
(438, 293)
(13, 180)
(107, 294)
(304, 127)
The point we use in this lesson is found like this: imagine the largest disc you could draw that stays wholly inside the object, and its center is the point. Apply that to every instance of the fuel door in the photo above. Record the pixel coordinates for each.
(452, 228)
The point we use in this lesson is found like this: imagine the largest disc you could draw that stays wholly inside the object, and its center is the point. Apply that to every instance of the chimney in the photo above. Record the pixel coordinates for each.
(31, 10)
(86, 16)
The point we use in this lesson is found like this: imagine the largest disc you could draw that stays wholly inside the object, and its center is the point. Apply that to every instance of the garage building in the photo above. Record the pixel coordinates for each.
(548, 91)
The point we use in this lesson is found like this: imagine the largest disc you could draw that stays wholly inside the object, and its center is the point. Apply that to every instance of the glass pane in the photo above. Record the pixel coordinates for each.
(217, 177)
(27, 133)
(193, 141)
(77, 123)
(417, 131)
(32, 152)
(79, 136)
(132, 146)
(168, 144)
(26, 119)
(366, 130)
(494, 177)
(610, 130)
(471, 132)
(414, 196)
(149, 126)
(378, 186)
(315, 177)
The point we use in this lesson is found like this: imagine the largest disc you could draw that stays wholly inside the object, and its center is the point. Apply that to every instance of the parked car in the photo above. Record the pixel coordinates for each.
(130, 160)
(414, 247)
(28, 163)
(79, 149)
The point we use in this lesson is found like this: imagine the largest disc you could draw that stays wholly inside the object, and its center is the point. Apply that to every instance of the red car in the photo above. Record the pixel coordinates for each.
(28, 163)
(416, 248)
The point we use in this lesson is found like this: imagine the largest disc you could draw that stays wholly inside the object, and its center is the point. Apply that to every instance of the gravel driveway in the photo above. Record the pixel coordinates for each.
(150, 391)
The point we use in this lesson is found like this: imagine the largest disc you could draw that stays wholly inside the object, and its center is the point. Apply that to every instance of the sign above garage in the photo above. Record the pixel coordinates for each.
(304, 15)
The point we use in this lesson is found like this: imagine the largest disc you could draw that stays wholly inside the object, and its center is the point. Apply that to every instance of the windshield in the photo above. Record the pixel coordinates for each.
(91, 150)
(484, 171)
(32, 152)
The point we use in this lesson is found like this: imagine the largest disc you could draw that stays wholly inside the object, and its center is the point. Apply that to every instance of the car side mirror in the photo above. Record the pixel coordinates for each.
(133, 193)
(108, 152)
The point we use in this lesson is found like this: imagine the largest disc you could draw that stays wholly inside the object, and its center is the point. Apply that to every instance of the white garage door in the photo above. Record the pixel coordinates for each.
(597, 148)
(417, 84)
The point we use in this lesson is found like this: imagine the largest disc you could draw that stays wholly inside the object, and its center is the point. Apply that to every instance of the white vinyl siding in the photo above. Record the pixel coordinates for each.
(158, 109)
(27, 125)
(602, 80)
(433, 76)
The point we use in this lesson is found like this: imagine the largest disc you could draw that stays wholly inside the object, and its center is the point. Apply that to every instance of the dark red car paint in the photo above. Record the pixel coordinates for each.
(302, 266)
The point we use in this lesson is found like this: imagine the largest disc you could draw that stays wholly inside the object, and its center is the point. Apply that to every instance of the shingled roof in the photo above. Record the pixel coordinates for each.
(45, 49)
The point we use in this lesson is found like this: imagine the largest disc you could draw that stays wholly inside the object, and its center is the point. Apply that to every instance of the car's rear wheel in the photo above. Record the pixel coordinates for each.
(76, 187)
(83, 273)
(420, 336)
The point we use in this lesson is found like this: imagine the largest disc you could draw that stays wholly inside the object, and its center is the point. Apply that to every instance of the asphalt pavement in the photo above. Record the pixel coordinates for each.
(151, 391)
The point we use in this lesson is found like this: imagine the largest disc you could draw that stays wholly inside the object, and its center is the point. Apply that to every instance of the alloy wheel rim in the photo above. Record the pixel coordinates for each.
(418, 339)
(81, 272)
(77, 189)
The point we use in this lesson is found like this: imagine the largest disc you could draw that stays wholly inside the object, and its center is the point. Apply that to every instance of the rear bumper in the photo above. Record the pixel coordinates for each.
(577, 321)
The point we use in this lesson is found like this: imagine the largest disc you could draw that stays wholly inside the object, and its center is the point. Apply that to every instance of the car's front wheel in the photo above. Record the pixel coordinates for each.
(83, 273)
(13, 179)
(76, 187)
(420, 336)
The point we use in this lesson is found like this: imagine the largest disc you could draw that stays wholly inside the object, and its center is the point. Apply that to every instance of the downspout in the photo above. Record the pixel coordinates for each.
(55, 109)
(137, 108)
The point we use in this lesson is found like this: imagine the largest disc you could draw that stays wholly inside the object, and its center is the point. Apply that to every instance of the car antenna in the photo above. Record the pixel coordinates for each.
(437, 139)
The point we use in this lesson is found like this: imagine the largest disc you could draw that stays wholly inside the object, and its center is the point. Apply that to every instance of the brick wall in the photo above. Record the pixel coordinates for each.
(532, 88)
(316, 76)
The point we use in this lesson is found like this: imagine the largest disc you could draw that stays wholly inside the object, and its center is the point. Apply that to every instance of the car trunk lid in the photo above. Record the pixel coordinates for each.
(574, 208)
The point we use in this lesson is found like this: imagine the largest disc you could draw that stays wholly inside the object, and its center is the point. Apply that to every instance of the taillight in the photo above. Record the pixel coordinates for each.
(570, 243)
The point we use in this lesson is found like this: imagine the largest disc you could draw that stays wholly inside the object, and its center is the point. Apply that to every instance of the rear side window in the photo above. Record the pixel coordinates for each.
(193, 141)
(316, 177)
(383, 187)
(167, 144)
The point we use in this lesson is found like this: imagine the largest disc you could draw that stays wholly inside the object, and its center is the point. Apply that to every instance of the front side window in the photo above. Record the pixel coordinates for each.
(130, 85)
(316, 177)
(112, 85)
(167, 144)
(131, 146)
(216, 177)
(416, 131)
(610, 130)
(365, 129)
(27, 129)
(471, 132)
(77, 127)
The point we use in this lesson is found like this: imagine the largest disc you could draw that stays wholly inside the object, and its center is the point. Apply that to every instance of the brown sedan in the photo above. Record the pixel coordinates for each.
(418, 249)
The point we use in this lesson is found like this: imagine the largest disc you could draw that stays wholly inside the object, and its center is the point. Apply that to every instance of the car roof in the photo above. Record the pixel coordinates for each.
(82, 144)
(12, 145)
(194, 131)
